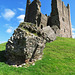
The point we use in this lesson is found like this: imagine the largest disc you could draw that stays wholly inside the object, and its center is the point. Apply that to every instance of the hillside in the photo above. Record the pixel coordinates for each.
(58, 59)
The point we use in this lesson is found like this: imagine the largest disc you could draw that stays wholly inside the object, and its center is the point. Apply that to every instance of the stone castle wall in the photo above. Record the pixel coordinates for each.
(34, 14)
(29, 39)
(43, 21)
(65, 26)
(59, 18)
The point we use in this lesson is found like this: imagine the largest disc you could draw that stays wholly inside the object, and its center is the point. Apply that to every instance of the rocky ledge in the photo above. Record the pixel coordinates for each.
(27, 43)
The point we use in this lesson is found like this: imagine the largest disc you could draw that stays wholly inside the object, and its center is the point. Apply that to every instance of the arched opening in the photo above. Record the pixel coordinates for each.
(41, 26)
(64, 30)
(63, 19)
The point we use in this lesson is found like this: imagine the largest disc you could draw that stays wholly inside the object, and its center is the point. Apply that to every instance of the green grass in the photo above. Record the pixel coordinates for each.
(58, 59)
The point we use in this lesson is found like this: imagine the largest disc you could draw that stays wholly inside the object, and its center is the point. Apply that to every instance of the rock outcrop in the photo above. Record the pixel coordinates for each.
(48, 34)
(27, 43)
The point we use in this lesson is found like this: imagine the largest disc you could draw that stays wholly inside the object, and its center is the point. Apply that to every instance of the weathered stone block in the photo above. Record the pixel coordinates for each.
(24, 45)
(48, 34)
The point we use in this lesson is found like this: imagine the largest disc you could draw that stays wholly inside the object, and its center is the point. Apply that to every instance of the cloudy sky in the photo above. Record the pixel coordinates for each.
(12, 12)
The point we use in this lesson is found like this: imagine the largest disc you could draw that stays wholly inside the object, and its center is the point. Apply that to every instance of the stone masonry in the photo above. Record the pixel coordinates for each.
(59, 18)
(27, 43)
(29, 39)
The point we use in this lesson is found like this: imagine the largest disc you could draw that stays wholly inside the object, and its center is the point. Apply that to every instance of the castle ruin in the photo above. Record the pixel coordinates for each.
(28, 41)
(59, 19)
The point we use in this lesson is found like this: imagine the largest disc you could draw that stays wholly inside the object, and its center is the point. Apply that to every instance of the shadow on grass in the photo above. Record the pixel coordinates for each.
(2, 56)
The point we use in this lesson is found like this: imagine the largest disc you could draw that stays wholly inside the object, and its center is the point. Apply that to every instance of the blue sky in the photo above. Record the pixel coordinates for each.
(12, 12)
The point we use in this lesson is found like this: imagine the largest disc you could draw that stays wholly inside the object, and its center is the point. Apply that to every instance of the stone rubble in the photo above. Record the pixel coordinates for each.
(26, 44)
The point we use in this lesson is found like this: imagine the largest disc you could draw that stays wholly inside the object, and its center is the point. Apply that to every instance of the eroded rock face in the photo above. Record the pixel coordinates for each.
(27, 43)
(23, 46)
(48, 34)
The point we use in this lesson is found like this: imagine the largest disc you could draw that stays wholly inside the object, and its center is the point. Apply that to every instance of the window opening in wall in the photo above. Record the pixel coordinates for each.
(38, 25)
(63, 19)
(41, 26)
(64, 30)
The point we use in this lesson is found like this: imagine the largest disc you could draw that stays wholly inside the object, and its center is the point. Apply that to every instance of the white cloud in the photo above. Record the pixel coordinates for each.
(21, 18)
(10, 30)
(73, 32)
(21, 9)
(73, 35)
(73, 29)
(8, 14)
(2, 42)
(6, 25)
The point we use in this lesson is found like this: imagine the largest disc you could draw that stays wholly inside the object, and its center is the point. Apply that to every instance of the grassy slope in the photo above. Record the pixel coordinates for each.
(58, 59)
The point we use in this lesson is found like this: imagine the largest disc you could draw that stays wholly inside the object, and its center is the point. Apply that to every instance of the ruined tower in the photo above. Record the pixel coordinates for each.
(34, 15)
(32, 11)
(27, 6)
(59, 19)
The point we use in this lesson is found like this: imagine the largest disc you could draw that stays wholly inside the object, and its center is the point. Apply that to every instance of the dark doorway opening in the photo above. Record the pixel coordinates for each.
(41, 26)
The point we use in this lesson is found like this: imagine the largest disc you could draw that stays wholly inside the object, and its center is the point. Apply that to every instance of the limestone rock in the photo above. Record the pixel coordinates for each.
(56, 30)
(48, 34)
(22, 46)
(27, 43)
